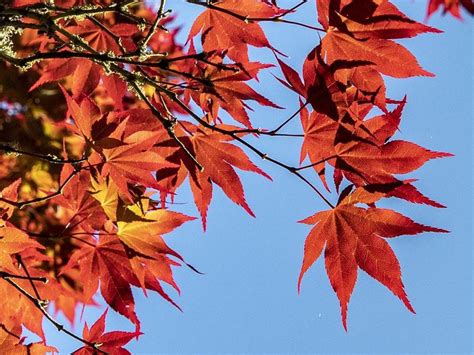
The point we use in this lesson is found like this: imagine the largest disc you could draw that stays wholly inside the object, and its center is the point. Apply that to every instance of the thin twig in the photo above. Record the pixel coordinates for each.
(273, 132)
(41, 305)
(59, 191)
(159, 16)
(4, 274)
(316, 163)
(247, 19)
(116, 38)
(48, 157)
(168, 124)
(262, 155)
(2, 326)
(289, 119)
(28, 276)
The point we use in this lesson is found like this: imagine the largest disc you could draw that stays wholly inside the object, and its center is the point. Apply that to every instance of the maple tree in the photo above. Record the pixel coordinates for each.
(104, 115)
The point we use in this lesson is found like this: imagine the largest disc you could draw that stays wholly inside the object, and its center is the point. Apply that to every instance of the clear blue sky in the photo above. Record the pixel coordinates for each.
(247, 300)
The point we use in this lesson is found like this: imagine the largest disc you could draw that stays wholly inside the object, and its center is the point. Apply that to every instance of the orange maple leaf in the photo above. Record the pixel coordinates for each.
(222, 31)
(354, 237)
(110, 342)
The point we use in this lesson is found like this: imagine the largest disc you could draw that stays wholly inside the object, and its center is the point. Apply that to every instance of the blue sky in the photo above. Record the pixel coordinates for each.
(247, 301)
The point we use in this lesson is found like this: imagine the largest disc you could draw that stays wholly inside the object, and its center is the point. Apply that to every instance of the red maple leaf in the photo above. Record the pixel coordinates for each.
(451, 6)
(361, 152)
(107, 262)
(218, 157)
(364, 31)
(225, 87)
(133, 163)
(220, 30)
(131, 254)
(356, 49)
(123, 153)
(101, 40)
(9, 193)
(353, 237)
(85, 74)
(11, 342)
(16, 308)
(110, 342)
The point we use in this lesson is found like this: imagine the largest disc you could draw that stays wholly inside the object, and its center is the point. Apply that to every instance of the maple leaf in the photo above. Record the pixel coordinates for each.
(354, 237)
(330, 89)
(381, 52)
(134, 254)
(364, 33)
(451, 6)
(385, 22)
(106, 192)
(226, 89)
(101, 40)
(11, 342)
(110, 342)
(361, 152)
(221, 30)
(107, 262)
(85, 74)
(355, 51)
(13, 241)
(322, 134)
(148, 253)
(293, 80)
(142, 231)
(9, 193)
(134, 162)
(126, 158)
(218, 157)
(78, 202)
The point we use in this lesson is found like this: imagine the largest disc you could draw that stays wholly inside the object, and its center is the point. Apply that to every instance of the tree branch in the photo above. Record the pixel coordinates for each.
(41, 305)
(247, 19)
(262, 155)
(53, 159)
(59, 191)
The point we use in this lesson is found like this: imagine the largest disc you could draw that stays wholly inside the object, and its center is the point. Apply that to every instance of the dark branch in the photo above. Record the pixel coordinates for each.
(41, 305)
(53, 159)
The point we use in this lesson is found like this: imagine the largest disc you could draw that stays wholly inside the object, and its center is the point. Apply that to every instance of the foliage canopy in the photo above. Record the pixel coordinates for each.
(104, 116)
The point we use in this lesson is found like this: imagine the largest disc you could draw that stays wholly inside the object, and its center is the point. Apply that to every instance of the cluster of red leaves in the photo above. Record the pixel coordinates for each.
(343, 82)
(99, 138)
